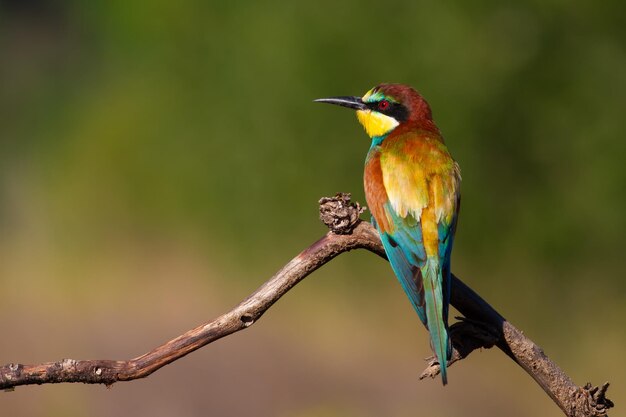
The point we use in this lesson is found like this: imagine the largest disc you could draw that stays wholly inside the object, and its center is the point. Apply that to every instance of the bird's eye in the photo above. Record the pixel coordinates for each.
(383, 105)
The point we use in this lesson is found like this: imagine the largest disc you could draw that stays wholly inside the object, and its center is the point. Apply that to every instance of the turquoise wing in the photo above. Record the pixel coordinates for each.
(425, 280)
(407, 256)
(446, 241)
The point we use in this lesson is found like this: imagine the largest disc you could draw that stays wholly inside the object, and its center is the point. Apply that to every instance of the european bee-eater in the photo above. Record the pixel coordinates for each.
(412, 187)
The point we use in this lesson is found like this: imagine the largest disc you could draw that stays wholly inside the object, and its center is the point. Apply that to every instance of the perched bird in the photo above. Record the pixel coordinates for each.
(412, 187)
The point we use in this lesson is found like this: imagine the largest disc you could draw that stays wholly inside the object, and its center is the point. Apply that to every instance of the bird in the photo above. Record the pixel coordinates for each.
(412, 188)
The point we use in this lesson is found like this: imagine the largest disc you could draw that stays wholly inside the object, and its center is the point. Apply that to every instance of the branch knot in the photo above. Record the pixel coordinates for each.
(592, 401)
(339, 214)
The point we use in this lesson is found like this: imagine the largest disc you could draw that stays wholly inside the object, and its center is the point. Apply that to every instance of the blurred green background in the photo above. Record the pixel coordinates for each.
(159, 160)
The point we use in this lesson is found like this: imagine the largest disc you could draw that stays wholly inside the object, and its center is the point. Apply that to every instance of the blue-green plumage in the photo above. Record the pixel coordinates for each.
(412, 186)
(422, 278)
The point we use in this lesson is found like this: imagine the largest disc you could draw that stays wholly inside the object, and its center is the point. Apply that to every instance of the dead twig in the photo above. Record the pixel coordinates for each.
(482, 326)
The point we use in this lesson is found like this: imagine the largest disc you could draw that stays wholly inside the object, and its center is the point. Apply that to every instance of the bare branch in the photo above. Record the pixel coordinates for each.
(482, 326)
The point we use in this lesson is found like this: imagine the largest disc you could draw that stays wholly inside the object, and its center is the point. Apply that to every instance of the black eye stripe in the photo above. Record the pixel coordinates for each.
(395, 110)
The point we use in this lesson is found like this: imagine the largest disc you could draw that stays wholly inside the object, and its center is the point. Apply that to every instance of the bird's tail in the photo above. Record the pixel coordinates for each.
(437, 326)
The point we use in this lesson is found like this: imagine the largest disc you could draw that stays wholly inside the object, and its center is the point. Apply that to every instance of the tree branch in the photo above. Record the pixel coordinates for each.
(482, 326)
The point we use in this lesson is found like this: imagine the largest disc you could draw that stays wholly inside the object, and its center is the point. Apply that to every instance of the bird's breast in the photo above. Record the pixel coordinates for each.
(375, 192)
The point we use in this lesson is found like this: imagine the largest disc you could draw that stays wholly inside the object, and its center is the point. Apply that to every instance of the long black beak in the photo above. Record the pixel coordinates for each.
(346, 101)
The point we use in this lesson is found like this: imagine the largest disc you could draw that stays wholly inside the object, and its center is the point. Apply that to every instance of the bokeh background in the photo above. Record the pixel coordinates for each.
(161, 159)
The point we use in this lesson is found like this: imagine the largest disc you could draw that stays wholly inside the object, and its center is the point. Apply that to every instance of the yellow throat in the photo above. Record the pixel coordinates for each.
(376, 124)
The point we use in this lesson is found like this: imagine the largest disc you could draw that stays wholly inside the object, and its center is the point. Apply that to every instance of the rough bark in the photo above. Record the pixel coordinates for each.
(482, 326)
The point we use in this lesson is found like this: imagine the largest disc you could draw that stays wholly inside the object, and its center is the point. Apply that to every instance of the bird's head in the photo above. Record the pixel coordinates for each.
(387, 107)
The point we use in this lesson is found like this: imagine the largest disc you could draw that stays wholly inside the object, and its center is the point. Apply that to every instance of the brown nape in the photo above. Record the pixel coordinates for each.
(420, 115)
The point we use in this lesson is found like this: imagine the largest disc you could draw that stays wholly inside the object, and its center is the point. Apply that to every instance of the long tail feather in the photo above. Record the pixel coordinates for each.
(438, 328)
